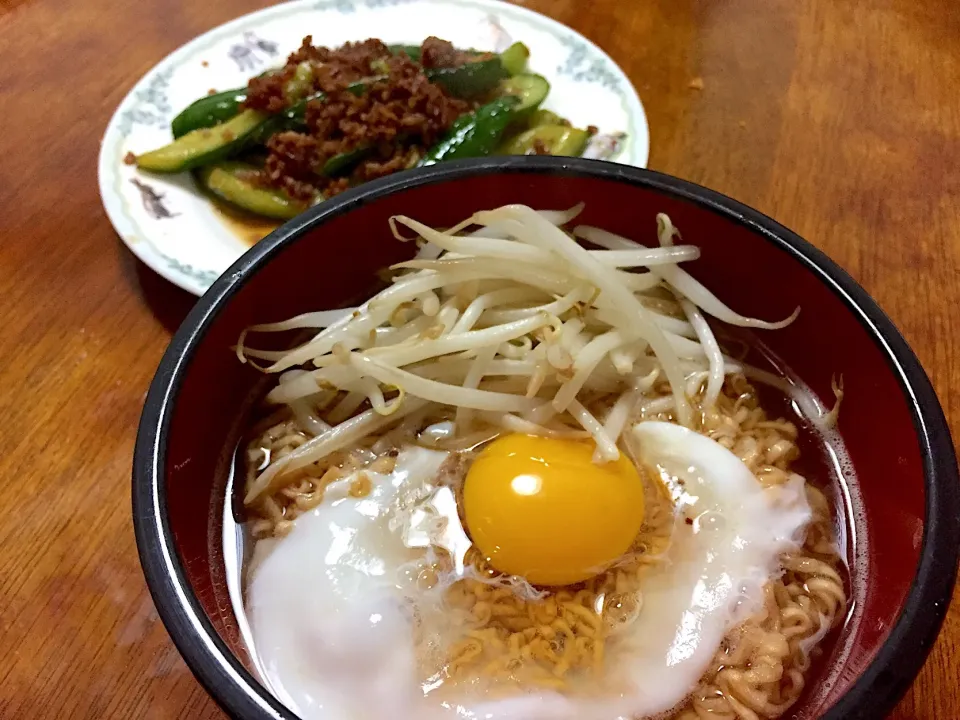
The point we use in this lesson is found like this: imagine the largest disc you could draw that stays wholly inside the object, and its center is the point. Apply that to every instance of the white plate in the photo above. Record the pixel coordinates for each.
(182, 236)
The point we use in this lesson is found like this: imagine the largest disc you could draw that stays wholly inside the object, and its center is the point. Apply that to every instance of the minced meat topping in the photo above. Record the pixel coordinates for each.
(388, 125)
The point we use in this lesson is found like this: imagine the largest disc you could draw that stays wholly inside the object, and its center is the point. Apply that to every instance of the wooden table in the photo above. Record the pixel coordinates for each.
(838, 118)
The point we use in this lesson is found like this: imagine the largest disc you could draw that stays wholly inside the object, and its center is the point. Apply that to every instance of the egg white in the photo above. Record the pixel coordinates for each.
(711, 579)
(331, 629)
(334, 630)
(716, 568)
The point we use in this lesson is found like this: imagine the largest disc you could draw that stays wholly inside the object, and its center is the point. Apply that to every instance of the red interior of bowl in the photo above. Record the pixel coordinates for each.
(327, 267)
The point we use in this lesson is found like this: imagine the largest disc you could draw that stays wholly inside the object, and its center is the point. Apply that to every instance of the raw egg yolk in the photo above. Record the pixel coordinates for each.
(542, 509)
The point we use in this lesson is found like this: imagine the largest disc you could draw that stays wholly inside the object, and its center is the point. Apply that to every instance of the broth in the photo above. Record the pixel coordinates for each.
(823, 462)
(626, 460)
(247, 227)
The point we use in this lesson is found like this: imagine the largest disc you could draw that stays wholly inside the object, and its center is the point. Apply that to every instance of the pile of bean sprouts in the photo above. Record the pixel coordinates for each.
(513, 322)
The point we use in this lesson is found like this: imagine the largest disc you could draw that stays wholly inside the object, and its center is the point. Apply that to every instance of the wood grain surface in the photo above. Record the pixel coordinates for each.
(839, 118)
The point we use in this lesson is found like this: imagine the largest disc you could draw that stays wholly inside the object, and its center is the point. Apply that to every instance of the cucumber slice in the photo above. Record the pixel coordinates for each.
(475, 134)
(470, 80)
(529, 88)
(208, 111)
(209, 145)
(300, 85)
(412, 51)
(204, 146)
(226, 181)
(549, 140)
(514, 58)
(211, 110)
(545, 117)
(346, 160)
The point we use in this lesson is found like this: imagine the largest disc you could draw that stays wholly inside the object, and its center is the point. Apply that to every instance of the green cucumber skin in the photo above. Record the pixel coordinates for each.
(208, 111)
(531, 89)
(465, 81)
(346, 160)
(223, 181)
(473, 135)
(211, 110)
(544, 117)
(476, 134)
(514, 58)
(204, 146)
(470, 80)
(556, 140)
(412, 51)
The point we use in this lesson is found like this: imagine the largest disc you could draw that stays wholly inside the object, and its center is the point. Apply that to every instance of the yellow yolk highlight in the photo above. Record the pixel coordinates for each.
(542, 509)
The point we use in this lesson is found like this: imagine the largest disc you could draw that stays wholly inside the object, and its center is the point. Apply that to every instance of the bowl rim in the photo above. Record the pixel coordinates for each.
(874, 693)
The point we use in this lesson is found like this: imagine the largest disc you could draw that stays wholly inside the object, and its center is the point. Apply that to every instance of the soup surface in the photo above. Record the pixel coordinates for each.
(531, 479)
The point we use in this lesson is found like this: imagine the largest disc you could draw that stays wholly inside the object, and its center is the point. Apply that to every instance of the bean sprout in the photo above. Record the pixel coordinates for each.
(507, 318)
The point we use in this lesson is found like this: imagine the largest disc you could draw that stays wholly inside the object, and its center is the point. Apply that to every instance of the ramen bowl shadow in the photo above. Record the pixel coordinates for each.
(907, 518)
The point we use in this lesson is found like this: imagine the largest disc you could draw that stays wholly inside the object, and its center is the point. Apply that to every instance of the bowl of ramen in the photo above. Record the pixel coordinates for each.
(493, 439)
